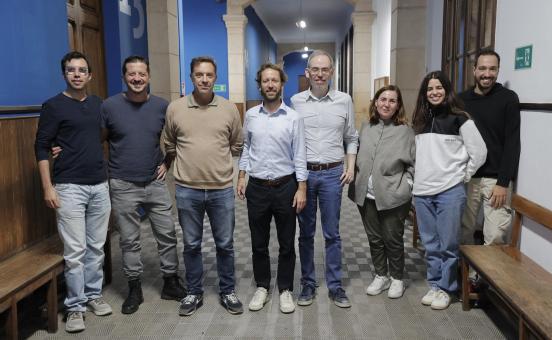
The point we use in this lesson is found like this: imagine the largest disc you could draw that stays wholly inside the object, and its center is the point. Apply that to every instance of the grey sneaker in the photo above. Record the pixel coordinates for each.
(339, 298)
(231, 303)
(74, 322)
(190, 304)
(307, 295)
(99, 307)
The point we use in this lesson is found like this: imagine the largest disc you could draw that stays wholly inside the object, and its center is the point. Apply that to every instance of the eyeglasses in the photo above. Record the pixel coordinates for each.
(73, 70)
(316, 70)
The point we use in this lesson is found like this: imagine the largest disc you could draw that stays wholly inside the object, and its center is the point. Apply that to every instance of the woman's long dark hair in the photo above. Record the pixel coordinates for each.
(450, 105)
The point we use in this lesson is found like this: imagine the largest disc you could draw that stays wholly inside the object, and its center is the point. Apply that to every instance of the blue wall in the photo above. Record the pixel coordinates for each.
(203, 32)
(261, 48)
(294, 66)
(124, 35)
(33, 41)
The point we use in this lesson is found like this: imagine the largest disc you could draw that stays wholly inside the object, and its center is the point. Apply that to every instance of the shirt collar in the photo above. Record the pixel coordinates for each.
(330, 95)
(192, 102)
(281, 110)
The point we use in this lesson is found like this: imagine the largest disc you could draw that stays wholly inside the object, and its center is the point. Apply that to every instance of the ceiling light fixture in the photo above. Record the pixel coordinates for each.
(301, 24)
(306, 48)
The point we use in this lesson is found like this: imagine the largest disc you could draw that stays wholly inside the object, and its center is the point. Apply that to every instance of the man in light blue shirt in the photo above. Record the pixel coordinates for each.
(274, 156)
(329, 119)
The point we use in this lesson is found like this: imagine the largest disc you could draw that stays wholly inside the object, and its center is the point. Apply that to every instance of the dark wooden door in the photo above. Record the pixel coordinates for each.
(86, 35)
(303, 83)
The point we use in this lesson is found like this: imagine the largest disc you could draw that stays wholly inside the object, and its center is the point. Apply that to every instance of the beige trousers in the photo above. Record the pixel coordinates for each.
(496, 222)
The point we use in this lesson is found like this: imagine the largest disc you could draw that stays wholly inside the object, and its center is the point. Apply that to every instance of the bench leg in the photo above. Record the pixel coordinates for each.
(52, 304)
(11, 323)
(465, 285)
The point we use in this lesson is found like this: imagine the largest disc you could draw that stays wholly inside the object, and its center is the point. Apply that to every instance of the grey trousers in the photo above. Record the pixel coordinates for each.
(154, 198)
(385, 230)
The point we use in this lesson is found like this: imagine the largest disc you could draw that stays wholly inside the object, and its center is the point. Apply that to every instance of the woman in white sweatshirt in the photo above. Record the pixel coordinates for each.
(449, 149)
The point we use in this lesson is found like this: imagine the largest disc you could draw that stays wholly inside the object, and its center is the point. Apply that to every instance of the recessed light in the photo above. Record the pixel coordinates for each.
(301, 23)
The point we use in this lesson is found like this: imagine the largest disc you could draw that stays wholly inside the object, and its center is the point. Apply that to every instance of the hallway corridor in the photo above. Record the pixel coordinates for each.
(369, 318)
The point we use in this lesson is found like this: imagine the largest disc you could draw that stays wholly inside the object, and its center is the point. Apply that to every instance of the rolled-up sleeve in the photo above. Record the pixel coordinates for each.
(299, 150)
(350, 133)
(244, 158)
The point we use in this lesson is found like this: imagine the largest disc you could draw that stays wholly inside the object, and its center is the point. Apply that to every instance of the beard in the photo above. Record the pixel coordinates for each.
(271, 99)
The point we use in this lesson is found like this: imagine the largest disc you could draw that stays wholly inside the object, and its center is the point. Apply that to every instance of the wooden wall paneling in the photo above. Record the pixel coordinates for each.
(24, 218)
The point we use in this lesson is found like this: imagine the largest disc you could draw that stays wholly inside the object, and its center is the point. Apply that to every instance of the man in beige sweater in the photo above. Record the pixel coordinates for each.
(203, 131)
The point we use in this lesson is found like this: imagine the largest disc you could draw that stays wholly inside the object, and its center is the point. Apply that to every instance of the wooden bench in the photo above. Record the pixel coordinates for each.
(523, 285)
(25, 272)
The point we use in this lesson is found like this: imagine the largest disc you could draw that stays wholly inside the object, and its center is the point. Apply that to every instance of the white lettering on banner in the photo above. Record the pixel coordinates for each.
(124, 7)
(138, 32)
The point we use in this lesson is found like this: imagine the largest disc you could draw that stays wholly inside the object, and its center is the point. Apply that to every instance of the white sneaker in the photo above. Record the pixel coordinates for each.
(379, 284)
(99, 307)
(429, 297)
(286, 302)
(441, 300)
(260, 298)
(75, 322)
(396, 290)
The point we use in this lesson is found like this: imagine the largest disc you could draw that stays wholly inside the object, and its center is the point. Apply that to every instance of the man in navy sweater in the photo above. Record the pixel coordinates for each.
(495, 111)
(79, 192)
(132, 122)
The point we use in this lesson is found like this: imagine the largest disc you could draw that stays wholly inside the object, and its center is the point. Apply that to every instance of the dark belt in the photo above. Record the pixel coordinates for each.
(272, 182)
(322, 166)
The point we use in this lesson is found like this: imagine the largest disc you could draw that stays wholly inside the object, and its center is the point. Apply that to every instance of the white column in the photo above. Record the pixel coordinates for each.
(408, 48)
(362, 62)
(235, 26)
(163, 52)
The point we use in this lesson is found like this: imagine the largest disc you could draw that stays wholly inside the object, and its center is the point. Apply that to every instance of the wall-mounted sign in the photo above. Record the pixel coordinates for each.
(524, 57)
(219, 88)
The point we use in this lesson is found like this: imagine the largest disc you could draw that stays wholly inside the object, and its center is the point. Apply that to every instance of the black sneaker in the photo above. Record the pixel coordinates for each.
(308, 293)
(190, 304)
(231, 303)
(339, 297)
(172, 289)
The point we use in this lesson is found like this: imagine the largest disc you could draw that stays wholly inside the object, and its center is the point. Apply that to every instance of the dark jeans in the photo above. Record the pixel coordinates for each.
(263, 202)
(385, 230)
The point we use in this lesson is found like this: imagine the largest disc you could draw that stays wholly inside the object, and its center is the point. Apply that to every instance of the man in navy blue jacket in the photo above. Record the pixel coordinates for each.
(79, 192)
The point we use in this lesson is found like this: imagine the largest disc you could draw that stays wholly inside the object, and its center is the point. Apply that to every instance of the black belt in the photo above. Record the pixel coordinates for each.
(322, 166)
(272, 182)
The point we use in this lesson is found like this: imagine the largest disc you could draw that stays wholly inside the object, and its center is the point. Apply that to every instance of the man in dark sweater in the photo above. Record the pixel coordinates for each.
(79, 192)
(132, 122)
(495, 111)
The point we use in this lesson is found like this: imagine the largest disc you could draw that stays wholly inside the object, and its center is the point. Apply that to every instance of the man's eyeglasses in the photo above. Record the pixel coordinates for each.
(316, 70)
(73, 70)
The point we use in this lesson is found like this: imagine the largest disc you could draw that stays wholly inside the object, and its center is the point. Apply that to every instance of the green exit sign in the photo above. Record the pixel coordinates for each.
(524, 57)
(219, 88)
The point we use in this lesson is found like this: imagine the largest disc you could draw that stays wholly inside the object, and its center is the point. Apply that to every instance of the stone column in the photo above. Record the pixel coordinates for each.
(408, 48)
(362, 62)
(164, 55)
(235, 25)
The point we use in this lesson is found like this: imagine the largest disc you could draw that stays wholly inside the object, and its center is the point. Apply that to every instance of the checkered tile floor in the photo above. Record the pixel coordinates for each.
(369, 318)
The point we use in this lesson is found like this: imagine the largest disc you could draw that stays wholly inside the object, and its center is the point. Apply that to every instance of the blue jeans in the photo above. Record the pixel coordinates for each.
(439, 223)
(324, 188)
(82, 220)
(219, 205)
